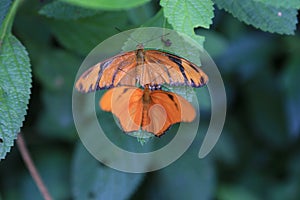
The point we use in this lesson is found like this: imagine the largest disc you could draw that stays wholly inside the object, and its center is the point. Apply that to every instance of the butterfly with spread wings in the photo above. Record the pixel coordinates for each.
(152, 109)
(139, 68)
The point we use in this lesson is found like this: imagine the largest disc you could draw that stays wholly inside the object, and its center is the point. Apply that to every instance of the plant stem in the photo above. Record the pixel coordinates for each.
(31, 167)
(9, 18)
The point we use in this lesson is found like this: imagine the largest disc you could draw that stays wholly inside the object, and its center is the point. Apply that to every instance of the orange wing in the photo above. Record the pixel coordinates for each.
(103, 74)
(173, 70)
(141, 67)
(154, 114)
(126, 104)
(175, 108)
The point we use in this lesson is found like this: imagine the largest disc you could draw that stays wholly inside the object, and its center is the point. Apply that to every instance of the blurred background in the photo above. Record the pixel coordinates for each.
(256, 157)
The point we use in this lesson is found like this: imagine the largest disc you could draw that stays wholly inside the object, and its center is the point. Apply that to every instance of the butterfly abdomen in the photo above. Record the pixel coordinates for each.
(145, 117)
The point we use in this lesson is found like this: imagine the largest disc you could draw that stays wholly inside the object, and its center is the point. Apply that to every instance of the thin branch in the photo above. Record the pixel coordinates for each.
(31, 167)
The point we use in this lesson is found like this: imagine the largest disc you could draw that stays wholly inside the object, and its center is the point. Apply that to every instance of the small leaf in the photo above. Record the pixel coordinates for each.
(84, 34)
(4, 5)
(259, 15)
(62, 10)
(108, 4)
(15, 84)
(180, 44)
(281, 4)
(184, 16)
(92, 180)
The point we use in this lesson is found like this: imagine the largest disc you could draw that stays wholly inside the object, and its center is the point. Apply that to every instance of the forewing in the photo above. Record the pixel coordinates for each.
(108, 73)
(162, 67)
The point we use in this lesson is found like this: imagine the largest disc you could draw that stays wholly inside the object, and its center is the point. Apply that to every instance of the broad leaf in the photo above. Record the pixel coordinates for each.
(108, 4)
(265, 17)
(62, 10)
(84, 34)
(184, 16)
(56, 71)
(92, 180)
(281, 4)
(15, 84)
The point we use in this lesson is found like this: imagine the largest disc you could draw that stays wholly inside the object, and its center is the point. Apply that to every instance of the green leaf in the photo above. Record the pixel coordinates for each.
(55, 120)
(93, 180)
(62, 10)
(33, 31)
(259, 15)
(141, 14)
(4, 5)
(281, 4)
(184, 16)
(56, 70)
(84, 34)
(108, 4)
(15, 84)
(180, 44)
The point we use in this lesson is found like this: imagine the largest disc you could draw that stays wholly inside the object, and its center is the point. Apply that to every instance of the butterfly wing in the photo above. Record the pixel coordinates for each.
(162, 67)
(143, 67)
(108, 73)
(167, 108)
(126, 104)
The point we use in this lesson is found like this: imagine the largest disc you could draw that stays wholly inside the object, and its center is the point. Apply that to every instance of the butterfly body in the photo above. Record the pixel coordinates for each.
(153, 111)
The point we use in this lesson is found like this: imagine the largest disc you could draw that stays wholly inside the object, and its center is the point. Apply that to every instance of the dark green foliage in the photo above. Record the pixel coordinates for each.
(264, 16)
(258, 153)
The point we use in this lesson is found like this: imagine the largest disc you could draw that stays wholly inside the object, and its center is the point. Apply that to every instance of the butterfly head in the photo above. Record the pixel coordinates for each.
(140, 46)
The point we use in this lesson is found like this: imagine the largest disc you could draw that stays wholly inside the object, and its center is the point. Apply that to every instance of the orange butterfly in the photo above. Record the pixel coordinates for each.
(141, 67)
(151, 110)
